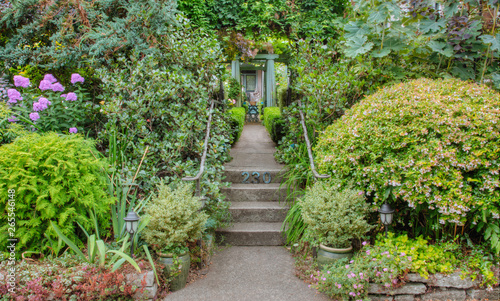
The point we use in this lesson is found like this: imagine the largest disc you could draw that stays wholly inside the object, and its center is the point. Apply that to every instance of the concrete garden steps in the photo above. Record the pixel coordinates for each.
(258, 210)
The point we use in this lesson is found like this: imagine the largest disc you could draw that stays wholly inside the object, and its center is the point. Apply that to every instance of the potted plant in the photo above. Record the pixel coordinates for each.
(334, 217)
(175, 219)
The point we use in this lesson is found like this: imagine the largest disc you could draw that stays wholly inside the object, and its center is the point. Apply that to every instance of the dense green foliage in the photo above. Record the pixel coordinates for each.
(237, 122)
(64, 35)
(8, 130)
(445, 38)
(265, 18)
(274, 123)
(427, 146)
(161, 102)
(174, 217)
(333, 215)
(55, 178)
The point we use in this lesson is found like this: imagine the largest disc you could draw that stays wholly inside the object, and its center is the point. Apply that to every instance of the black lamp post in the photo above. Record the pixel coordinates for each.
(386, 214)
(131, 225)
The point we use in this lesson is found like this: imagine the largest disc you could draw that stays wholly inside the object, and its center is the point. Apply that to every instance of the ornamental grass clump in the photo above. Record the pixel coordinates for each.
(46, 178)
(174, 218)
(335, 216)
(428, 145)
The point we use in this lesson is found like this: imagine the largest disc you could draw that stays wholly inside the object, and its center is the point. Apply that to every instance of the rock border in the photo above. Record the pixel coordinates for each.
(437, 287)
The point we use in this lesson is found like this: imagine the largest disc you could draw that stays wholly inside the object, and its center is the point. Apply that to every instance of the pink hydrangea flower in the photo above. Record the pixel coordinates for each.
(34, 116)
(21, 81)
(14, 95)
(73, 130)
(64, 95)
(50, 78)
(364, 243)
(76, 78)
(45, 85)
(57, 87)
(12, 119)
(71, 96)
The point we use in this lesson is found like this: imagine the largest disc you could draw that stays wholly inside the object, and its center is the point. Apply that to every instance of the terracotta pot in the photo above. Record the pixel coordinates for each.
(178, 282)
(327, 255)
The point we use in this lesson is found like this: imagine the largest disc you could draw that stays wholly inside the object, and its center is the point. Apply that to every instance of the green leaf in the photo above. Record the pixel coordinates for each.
(442, 48)
(496, 79)
(124, 257)
(462, 73)
(494, 41)
(394, 44)
(353, 29)
(146, 250)
(431, 25)
(381, 52)
(91, 248)
(69, 242)
(356, 46)
(102, 252)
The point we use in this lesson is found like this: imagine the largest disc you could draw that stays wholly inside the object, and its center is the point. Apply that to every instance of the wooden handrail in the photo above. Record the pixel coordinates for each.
(308, 144)
(204, 156)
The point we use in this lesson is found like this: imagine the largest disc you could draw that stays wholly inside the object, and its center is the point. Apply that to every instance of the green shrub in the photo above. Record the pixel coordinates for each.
(274, 123)
(237, 122)
(334, 216)
(430, 145)
(174, 217)
(55, 178)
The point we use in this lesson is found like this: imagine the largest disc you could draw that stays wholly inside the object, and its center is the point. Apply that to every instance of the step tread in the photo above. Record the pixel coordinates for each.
(270, 186)
(259, 205)
(258, 169)
(253, 227)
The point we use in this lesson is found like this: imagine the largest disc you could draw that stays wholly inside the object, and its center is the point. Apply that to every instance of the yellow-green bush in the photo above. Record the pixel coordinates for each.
(237, 122)
(274, 123)
(55, 178)
(174, 217)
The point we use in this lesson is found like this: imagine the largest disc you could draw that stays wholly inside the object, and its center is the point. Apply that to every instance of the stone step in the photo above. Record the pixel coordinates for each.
(254, 193)
(251, 234)
(235, 174)
(266, 212)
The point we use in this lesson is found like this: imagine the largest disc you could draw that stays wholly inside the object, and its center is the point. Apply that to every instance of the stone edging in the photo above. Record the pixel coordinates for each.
(151, 288)
(437, 287)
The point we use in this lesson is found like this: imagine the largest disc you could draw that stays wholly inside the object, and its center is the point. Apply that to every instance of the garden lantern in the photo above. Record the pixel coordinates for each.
(131, 225)
(386, 214)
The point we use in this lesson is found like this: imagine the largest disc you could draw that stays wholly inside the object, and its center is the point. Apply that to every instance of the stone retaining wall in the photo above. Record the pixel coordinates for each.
(149, 291)
(437, 287)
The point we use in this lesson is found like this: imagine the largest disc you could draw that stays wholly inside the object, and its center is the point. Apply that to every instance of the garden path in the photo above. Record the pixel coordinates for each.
(255, 266)
(249, 273)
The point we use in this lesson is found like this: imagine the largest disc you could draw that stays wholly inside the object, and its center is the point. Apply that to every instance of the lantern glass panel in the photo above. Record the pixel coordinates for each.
(388, 218)
(135, 225)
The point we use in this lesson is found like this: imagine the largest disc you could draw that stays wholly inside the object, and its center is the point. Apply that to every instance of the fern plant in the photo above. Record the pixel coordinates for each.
(54, 178)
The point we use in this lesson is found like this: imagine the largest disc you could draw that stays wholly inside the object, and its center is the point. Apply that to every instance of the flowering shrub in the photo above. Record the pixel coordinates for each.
(55, 178)
(334, 216)
(350, 280)
(429, 144)
(45, 107)
(388, 262)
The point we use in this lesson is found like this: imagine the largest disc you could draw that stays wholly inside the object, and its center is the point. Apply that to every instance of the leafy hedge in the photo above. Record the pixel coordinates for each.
(429, 144)
(237, 122)
(8, 130)
(274, 123)
(55, 178)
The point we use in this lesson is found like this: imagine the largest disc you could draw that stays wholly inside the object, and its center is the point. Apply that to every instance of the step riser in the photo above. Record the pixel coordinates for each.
(258, 215)
(235, 176)
(254, 195)
(250, 238)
